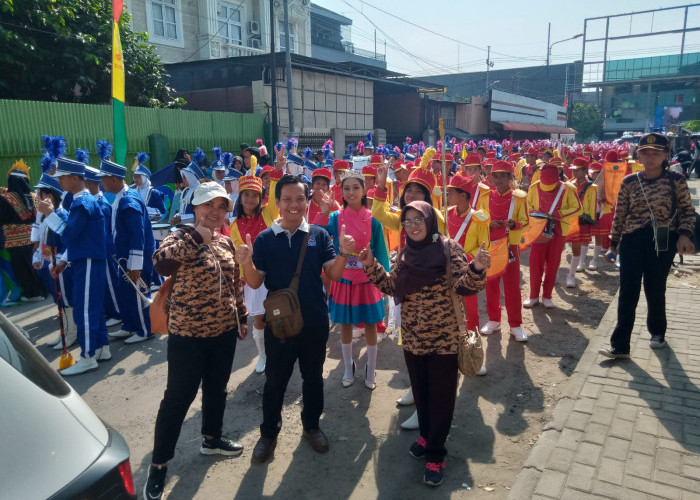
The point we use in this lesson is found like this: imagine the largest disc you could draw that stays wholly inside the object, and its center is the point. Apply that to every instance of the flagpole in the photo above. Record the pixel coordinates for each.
(444, 175)
(118, 94)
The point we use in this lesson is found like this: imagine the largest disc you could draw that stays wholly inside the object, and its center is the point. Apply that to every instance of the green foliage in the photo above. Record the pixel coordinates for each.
(61, 50)
(692, 125)
(587, 120)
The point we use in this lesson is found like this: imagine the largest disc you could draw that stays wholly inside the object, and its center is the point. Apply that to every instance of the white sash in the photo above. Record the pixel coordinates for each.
(556, 199)
(464, 225)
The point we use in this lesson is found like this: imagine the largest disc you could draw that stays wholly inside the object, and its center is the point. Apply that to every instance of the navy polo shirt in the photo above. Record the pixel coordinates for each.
(276, 253)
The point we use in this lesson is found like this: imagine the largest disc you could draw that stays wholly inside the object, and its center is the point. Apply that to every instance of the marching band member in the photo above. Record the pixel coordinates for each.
(253, 217)
(192, 175)
(580, 231)
(558, 200)
(480, 194)
(134, 245)
(218, 169)
(82, 232)
(508, 211)
(339, 168)
(353, 298)
(530, 171)
(469, 228)
(320, 185)
(142, 185)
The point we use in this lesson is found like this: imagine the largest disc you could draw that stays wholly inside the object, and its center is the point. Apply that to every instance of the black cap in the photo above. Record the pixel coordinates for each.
(654, 140)
(244, 146)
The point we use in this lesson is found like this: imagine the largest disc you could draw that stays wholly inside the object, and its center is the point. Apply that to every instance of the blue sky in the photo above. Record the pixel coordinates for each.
(515, 30)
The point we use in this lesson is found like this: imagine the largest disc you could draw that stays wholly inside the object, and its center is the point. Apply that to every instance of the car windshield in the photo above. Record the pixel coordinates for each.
(21, 355)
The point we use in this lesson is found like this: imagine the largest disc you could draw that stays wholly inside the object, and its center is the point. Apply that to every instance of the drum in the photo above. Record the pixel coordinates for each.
(160, 231)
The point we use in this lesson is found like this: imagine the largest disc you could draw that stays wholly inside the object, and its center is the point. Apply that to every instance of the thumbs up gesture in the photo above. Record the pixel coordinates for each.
(244, 253)
(346, 243)
(482, 259)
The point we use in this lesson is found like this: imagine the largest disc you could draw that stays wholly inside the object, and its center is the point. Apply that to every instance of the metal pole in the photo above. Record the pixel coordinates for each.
(549, 47)
(488, 64)
(273, 73)
(288, 57)
(375, 44)
(685, 25)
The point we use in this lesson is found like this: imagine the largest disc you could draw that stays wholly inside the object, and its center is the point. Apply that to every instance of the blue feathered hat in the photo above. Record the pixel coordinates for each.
(217, 164)
(227, 159)
(368, 141)
(49, 182)
(198, 157)
(47, 163)
(348, 153)
(232, 174)
(92, 174)
(309, 163)
(140, 168)
(54, 146)
(104, 149)
(82, 155)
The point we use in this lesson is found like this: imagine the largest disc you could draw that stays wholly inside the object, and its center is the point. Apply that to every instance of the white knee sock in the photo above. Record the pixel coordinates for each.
(574, 264)
(583, 257)
(371, 362)
(347, 359)
(596, 252)
(259, 337)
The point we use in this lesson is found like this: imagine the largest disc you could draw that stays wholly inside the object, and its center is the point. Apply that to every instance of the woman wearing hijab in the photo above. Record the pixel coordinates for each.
(429, 325)
(16, 217)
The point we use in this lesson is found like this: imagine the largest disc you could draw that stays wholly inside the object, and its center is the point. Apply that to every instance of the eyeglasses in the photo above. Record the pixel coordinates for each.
(419, 221)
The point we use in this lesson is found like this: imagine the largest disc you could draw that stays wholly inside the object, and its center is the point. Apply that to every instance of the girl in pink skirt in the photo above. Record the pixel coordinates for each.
(354, 299)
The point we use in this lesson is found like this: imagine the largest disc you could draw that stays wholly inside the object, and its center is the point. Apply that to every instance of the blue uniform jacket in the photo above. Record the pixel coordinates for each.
(81, 229)
(132, 234)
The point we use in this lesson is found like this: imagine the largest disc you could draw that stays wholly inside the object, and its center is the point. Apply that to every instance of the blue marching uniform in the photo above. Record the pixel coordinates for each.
(82, 232)
(133, 248)
(111, 303)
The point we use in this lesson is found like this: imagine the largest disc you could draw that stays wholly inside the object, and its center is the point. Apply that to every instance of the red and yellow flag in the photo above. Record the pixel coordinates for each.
(118, 98)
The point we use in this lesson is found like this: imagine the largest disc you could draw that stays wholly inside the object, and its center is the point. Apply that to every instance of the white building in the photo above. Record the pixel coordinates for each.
(191, 30)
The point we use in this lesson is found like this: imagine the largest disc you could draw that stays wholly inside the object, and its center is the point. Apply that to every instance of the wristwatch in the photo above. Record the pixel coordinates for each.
(345, 255)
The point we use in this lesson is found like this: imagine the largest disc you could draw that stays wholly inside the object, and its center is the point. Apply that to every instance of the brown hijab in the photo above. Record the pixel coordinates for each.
(421, 263)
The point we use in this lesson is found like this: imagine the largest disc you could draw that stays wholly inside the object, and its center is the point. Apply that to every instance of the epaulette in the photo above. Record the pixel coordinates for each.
(481, 217)
(483, 186)
(570, 184)
(519, 193)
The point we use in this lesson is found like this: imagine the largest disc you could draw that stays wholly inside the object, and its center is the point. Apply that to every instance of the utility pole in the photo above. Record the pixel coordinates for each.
(375, 44)
(288, 57)
(273, 74)
(549, 28)
(488, 65)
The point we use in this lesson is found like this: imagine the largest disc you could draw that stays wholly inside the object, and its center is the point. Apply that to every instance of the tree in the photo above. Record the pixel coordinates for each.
(61, 50)
(587, 120)
(692, 125)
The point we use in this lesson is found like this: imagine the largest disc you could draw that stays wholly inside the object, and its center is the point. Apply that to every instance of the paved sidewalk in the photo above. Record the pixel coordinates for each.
(627, 429)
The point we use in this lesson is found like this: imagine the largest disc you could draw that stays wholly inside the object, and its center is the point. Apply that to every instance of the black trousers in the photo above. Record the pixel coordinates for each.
(309, 347)
(639, 264)
(26, 276)
(434, 382)
(193, 360)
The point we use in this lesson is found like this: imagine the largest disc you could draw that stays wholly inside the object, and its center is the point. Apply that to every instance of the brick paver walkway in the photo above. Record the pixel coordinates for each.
(626, 429)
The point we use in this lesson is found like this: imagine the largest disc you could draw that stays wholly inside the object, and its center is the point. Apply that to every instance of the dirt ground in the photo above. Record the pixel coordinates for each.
(497, 418)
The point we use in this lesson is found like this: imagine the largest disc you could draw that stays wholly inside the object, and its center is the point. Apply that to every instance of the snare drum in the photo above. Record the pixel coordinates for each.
(160, 231)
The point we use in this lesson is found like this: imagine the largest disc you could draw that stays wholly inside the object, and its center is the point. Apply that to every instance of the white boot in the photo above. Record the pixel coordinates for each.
(491, 327)
(571, 279)
(103, 354)
(530, 303)
(582, 261)
(411, 423)
(69, 328)
(593, 265)
(406, 399)
(259, 337)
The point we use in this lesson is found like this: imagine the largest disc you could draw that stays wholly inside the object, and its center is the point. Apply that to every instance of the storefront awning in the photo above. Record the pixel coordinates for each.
(529, 127)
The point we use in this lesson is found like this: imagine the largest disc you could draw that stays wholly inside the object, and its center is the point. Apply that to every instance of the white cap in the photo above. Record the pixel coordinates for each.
(208, 191)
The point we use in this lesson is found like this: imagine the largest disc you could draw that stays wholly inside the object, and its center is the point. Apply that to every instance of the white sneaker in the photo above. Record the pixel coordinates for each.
(406, 399)
(135, 338)
(482, 371)
(593, 265)
(54, 342)
(530, 303)
(581, 266)
(103, 354)
(83, 365)
(260, 365)
(491, 327)
(69, 342)
(570, 282)
(548, 303)
(38, 298)
(121, 334)
(112, 322)
(411, 423)
(518, 333)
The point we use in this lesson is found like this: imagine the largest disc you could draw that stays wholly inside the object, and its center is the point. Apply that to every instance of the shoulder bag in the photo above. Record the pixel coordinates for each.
(282, 307)
(470, 350)
(695, 237)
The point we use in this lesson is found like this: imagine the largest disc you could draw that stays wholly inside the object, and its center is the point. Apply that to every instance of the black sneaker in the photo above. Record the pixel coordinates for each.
(221, 446)
(433, 473)
(657, 342)
(614, 353)
(417, 449)
(155, 482)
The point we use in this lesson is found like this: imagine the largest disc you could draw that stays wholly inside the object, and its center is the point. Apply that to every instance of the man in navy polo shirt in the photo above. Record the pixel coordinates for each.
(272, 260)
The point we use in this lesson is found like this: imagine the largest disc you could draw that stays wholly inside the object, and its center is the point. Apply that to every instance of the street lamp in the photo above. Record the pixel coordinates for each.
(549, 48)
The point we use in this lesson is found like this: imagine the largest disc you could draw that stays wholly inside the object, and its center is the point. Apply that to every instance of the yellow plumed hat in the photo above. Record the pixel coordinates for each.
(20, 166)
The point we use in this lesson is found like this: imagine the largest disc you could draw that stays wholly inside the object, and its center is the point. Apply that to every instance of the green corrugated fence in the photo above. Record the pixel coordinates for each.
(22, 123)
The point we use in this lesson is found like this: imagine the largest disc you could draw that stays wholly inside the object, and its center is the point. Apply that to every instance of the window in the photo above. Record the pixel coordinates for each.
(164, 19)
(230, 24)
(165, 22)
(292, 36)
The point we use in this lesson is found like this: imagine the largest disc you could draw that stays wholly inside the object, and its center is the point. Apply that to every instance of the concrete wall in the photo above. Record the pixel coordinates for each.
(473, 117)
(398, 113)
(230, 99)
(507, 107)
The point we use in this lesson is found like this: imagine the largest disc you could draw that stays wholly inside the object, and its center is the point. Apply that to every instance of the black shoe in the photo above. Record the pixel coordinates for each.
(317, 439)
(155, 482)
(657, 342)
(264, 449)
(614, 353)
(433, 473)
(417, 449)
(221, 446)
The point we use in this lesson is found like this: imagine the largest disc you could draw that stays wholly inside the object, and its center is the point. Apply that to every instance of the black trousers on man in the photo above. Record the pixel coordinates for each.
(26, 276)
(639, 263)
(192, 360)
(434, 382)
(309, 347)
